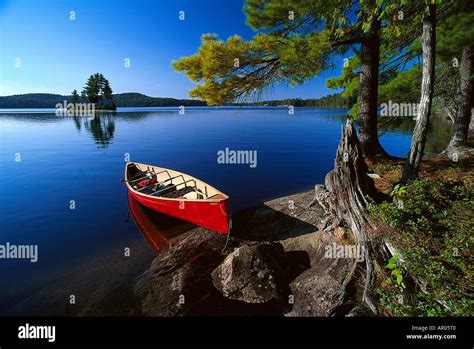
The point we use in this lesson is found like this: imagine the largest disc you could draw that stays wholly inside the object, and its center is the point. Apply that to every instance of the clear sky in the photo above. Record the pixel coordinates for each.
(57, 54)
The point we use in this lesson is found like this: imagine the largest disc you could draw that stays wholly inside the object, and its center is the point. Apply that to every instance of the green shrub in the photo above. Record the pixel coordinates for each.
(434, 221)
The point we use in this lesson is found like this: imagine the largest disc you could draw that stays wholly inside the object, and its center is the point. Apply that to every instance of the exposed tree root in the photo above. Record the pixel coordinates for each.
(350, 187)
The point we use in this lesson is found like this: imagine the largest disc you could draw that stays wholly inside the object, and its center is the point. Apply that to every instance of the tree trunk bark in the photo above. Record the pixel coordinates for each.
(412, 164)
(463, 117)
(368, 94)
(350, 186)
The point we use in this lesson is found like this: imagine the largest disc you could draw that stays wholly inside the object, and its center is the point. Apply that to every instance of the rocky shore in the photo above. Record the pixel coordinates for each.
(274, 264)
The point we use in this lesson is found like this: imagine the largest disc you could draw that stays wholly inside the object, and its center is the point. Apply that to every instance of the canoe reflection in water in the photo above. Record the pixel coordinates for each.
(157, 228)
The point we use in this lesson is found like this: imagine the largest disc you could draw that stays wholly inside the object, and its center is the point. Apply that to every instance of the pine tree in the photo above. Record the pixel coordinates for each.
(98, 89)
(92, 89)
(106, 92)
(297, 41)
(456, 52)
(75, 97)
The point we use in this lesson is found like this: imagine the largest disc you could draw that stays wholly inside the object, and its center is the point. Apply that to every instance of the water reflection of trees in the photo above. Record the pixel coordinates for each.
(77, 122)
(101, 127)
(439, 130)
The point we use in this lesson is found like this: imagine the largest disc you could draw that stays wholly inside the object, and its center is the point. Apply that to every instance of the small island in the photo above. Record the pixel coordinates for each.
(97, 92)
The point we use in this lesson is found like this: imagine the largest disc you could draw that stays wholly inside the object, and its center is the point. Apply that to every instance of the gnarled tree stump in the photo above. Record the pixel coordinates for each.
(350, 186)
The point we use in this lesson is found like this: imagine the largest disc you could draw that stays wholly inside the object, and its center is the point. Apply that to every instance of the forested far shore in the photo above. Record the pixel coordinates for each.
(47, 100)
(335, 100)
(133, 99)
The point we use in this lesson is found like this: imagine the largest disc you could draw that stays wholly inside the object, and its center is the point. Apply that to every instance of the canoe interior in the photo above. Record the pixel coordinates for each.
(169, 184)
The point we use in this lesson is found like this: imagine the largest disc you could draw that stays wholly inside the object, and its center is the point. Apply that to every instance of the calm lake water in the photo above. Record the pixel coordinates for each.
(74, 158)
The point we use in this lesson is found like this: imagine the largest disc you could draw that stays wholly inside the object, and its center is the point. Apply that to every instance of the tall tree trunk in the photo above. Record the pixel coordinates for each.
(368, 95)
(412, 164)
(463, 116)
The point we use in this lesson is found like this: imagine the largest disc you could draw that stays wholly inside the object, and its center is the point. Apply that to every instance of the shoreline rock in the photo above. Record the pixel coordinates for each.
(275, 265)
(254, 273)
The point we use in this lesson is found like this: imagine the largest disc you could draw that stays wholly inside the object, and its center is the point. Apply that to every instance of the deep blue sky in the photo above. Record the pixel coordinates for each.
(57, 54)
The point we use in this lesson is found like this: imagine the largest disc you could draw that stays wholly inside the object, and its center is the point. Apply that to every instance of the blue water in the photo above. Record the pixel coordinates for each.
(66, 158)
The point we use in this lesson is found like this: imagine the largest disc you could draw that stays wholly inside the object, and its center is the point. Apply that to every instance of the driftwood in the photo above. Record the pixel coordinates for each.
(350, 186)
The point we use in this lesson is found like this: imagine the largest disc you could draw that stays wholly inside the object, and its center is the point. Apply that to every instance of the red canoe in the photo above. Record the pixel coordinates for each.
(178, 195)
(157, 228)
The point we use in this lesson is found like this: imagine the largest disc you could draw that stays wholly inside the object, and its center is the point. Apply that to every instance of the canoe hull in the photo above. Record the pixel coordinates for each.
(210, 215)
(157, 228)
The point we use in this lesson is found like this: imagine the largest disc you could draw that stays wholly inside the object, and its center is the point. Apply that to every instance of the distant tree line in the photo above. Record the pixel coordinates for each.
(48, 100)
(133, 99)
(331, 101)
(139, 100)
